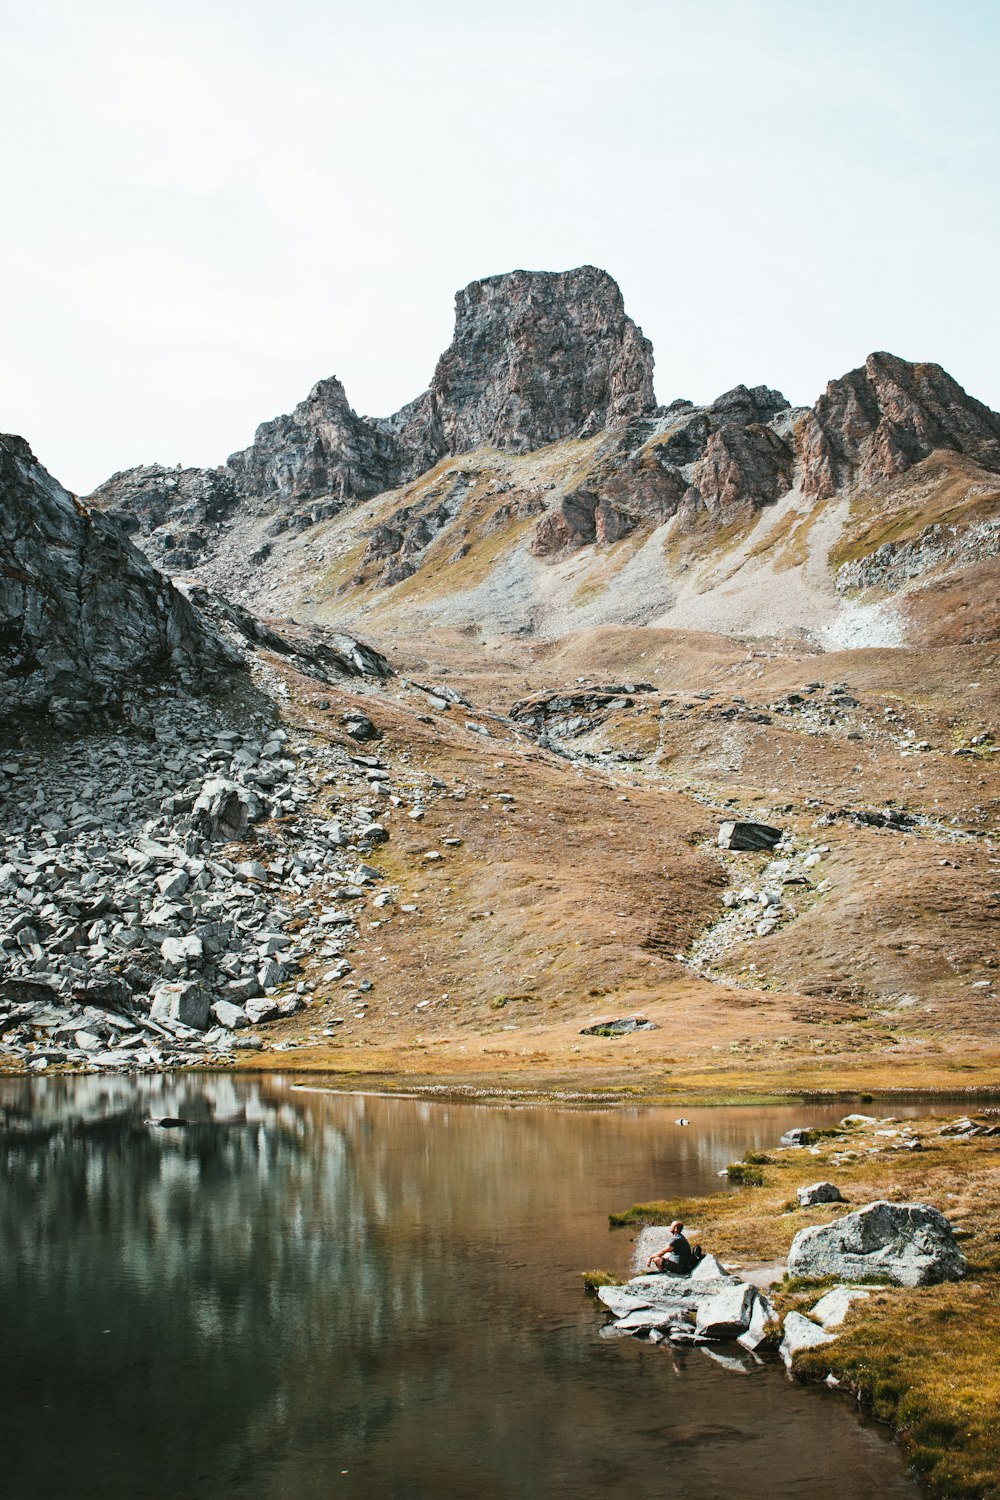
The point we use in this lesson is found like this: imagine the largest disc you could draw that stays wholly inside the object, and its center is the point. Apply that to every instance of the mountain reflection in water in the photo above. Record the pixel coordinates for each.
(298, 1283)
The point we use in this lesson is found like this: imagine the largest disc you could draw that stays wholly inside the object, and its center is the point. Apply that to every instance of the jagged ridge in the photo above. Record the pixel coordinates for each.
(536, 356)
(539, 359)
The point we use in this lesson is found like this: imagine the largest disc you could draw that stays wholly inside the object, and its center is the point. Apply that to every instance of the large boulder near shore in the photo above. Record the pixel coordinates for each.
(832, 1308)
(725, 1313)
(910, 1244)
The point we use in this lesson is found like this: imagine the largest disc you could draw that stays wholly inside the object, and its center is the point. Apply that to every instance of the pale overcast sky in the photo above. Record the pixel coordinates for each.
(208, 205)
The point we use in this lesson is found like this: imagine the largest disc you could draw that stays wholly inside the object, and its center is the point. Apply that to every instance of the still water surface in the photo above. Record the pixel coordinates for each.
(312, 1294)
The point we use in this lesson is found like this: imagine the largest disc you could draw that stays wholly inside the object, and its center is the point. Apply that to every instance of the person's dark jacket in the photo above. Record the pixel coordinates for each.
(680, 1257)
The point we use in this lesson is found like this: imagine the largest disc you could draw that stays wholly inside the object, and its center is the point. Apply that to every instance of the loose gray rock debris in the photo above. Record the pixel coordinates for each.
(566, 715)
(163, 882)
(757, 905)
(623, 1027)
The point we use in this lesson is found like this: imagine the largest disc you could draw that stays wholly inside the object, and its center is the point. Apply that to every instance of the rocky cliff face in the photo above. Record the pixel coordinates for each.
(322, 448)
(537, 356)
(878, 421)
(742, 466)
(83, 614)
(731, 457)
(172, 511)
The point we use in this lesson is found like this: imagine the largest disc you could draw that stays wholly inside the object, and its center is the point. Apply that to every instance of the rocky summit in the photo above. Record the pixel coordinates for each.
(536, 357)
(536, 487)
(537, 736)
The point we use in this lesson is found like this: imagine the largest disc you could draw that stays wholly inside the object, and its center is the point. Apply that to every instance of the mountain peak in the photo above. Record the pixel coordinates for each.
(879, 420)
(538, 356)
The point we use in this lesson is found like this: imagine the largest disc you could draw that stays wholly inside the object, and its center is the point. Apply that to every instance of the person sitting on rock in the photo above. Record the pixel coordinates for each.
(677, 1257)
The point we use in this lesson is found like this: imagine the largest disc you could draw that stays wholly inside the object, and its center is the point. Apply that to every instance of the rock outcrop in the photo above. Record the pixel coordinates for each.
(536, 356)
(321, 652)
(880, 420)
(731, 457)
(83, 614)
(323, 448)
(171, 510)
(741, 466)
(581, 518)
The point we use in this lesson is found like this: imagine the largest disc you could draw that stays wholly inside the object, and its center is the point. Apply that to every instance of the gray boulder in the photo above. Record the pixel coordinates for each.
(643, 1293)
(800, 1333)
(819, 1192)
(186, 1003)
(360, 727)
(224, 810)
(261, 1009)
(761, 1314)
(725, 1313)
(910, 1244)
(748, 836)
(621, 1301)
(643, 1319)
(229, 1015)
(708, 1269)
(831, 1309)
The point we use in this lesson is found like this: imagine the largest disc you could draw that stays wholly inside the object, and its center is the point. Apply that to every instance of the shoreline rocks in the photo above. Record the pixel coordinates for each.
(874, 1248)
(801, 1333)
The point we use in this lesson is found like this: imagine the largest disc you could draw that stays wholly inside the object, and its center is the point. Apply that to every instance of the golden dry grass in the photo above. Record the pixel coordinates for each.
(946, 489)
(569, 905)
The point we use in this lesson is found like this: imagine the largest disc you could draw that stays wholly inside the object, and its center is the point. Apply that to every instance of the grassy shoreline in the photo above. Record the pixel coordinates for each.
(924, 1360)
(731, 1090)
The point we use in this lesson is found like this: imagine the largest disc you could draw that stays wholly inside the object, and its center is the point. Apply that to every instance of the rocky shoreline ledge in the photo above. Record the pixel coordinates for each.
(867, 1286)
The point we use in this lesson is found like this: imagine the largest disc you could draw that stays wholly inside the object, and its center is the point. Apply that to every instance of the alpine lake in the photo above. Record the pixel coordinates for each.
(302, 1294)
